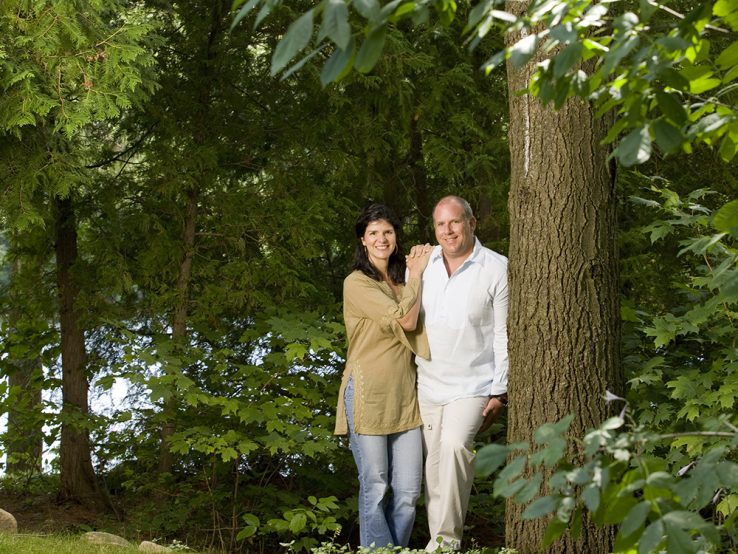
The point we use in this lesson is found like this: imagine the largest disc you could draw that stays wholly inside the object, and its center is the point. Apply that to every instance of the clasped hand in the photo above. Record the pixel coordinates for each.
(418, 257)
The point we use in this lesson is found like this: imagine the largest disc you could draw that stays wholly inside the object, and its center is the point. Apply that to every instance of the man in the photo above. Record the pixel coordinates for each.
(463, 387)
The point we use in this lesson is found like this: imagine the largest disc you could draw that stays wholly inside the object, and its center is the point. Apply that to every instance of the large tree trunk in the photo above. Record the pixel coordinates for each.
(77, 475)
(564, 318)
(24, 437)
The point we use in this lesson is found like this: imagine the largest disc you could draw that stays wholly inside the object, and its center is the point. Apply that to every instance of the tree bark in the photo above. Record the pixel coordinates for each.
(563, 325)
(219, 20)
(77, 474)
(419, 179)
(179, 324)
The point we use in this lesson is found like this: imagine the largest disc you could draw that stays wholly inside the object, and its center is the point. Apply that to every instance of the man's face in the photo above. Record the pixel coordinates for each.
(454, 232)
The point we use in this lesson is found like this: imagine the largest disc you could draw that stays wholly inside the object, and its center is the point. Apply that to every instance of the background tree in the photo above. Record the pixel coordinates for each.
(54, 90)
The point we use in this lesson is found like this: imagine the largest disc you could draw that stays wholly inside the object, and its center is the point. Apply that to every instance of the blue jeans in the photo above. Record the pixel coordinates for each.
(390, 472)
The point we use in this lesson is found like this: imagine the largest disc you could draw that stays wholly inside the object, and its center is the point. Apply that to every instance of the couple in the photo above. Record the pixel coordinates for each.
(449, 317)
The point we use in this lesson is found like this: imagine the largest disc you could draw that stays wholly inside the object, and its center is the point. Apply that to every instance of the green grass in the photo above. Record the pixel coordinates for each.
(61, 544)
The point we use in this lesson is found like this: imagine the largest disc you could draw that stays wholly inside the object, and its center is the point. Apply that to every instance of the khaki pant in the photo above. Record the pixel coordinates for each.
(448, 437)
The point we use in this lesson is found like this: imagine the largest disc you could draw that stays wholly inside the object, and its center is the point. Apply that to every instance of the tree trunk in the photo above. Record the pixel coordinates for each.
(419, 178)
(563, 325)
(24, 437)
(179, 324)
(77, 475)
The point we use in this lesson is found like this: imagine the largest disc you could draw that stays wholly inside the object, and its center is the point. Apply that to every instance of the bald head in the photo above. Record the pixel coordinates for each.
(454, 226)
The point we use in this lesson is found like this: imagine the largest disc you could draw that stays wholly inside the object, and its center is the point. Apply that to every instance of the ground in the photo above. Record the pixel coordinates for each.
(42, 513)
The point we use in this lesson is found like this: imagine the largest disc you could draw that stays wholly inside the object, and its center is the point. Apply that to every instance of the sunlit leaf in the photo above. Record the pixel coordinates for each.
(635, 148)
(294, 40)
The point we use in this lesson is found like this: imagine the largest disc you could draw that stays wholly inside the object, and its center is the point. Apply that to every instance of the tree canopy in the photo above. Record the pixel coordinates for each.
(179, 186)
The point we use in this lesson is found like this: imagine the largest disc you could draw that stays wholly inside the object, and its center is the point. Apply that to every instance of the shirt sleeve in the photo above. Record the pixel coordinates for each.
(499, 341)
(366, 298)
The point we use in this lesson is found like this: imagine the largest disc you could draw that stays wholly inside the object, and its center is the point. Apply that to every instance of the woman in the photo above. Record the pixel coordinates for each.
(377, 403)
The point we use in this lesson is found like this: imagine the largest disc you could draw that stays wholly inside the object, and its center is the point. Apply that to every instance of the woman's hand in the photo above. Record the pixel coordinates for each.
(417, 259)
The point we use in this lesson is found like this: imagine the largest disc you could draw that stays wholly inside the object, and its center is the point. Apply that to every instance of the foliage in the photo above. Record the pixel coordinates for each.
(683, 370)
(664, 471)
(659, 71)
(64, 66)
(617, 483)
(667, 76)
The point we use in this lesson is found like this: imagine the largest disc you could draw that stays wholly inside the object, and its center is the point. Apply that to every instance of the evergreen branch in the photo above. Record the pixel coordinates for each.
(119, 155)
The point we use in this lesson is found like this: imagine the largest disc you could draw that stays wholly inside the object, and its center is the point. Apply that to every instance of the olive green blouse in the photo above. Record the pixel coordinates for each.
(380, 357)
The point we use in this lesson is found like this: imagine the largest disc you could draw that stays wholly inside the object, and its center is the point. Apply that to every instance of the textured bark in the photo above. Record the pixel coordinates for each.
(77, 474)
(564, 315)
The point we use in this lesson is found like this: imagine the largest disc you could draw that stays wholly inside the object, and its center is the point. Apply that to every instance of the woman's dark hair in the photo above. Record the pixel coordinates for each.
(396, 265)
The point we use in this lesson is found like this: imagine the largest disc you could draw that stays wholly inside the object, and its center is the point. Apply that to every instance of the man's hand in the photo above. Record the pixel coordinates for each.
(491, 411)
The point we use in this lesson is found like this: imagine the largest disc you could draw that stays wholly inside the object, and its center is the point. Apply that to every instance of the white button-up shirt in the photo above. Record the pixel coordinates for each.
(465, 316)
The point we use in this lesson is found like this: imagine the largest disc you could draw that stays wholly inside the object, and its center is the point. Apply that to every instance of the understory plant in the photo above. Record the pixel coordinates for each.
(664, 470)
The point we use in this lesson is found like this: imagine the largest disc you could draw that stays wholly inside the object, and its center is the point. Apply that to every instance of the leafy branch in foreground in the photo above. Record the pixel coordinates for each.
(618, 483)
(669, 77)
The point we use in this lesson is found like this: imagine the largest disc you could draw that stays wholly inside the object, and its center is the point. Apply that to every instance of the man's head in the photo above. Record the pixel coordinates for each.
(454, 224)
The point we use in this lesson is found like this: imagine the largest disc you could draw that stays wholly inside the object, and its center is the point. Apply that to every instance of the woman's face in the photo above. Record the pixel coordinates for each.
(380, 241)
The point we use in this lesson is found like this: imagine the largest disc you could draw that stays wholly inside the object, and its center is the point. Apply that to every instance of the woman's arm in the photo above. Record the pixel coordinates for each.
(417, 259)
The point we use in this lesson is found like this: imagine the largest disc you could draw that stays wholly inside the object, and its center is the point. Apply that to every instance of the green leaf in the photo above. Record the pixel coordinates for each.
(298, 350)
(523, 50)
(708, 125)
(729, 57)
(246, 532)
(541, 507)
(338, 65)
(726, 218)
(566, 59)
(370, 50)
(493, 62)
(635, 518)
(388, 9)
(728, 148)
(243, 12)
(369, 9)
(529, 490)
(298, 522)
(700, 79)
(554, 530)
(668, 137)
(489, 458)
(294, 40)
(726, 9)
(671, 107)
(617, 509)
(674, 79)
(591, 497)
(335, 24)
(476, 13)
(651, 538)
(635, 148)
(408, 8)
(678, 541)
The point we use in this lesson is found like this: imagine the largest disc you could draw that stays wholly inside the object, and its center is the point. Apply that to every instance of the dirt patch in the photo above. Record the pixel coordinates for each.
(41, 513)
